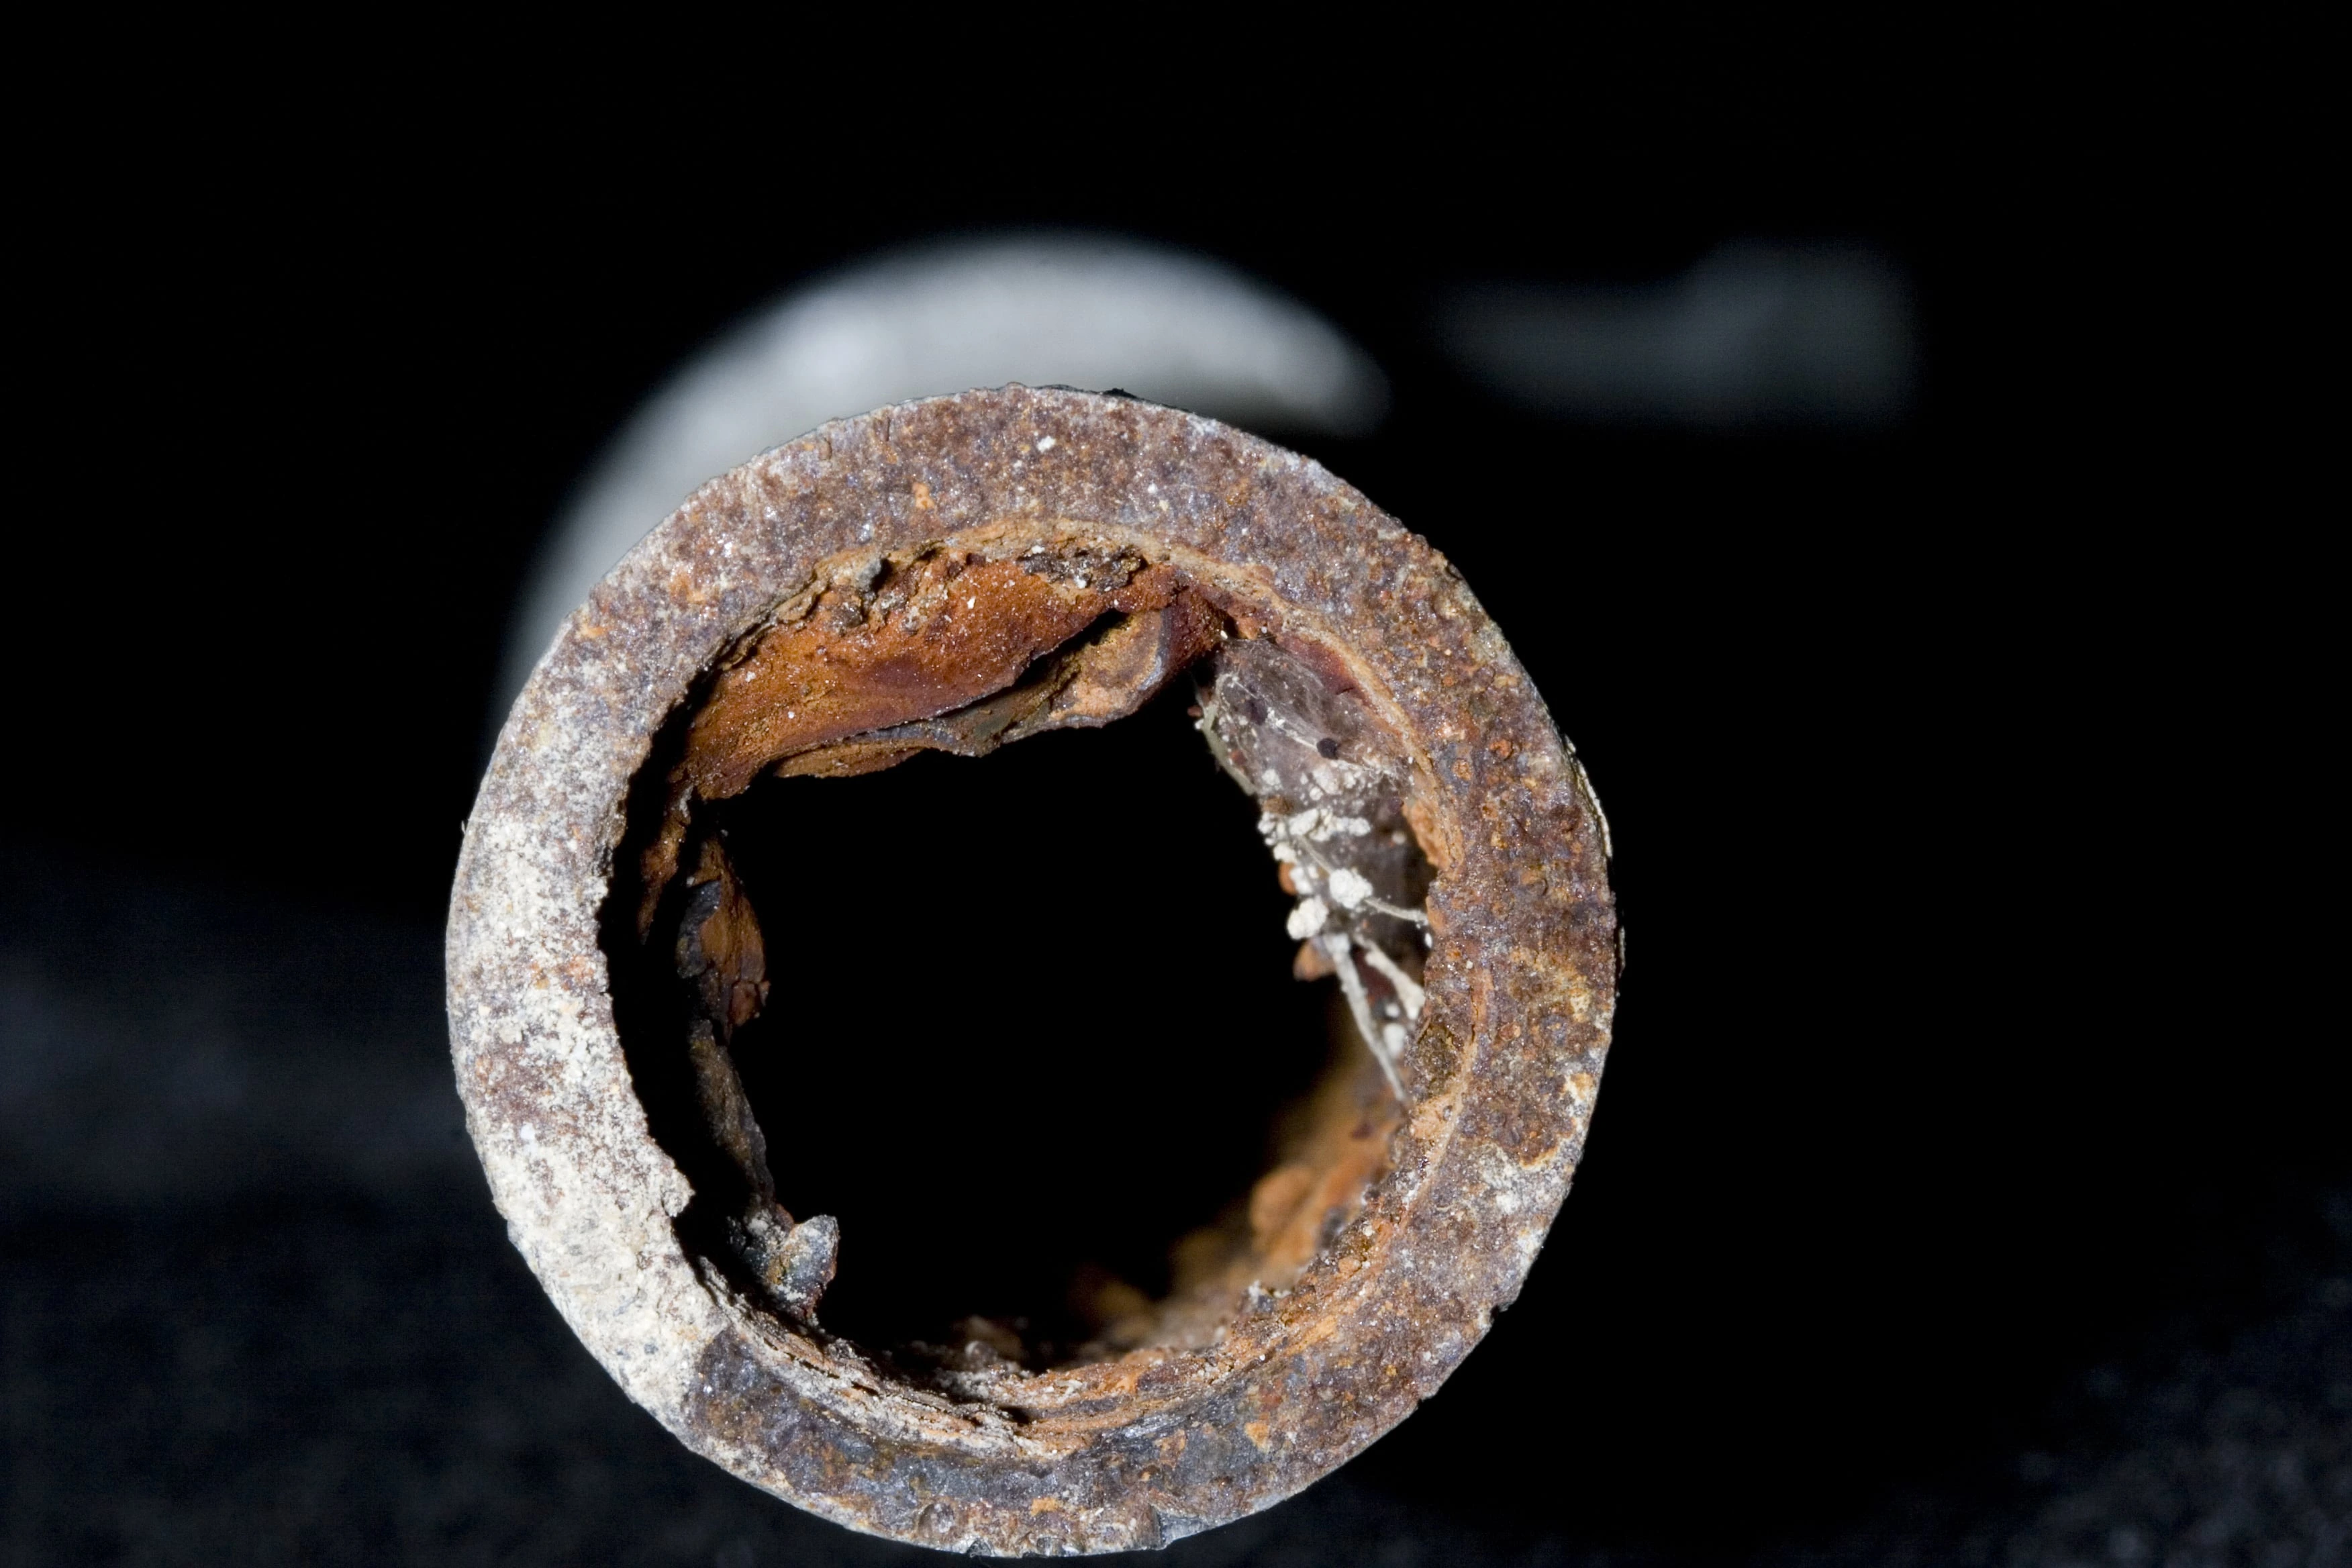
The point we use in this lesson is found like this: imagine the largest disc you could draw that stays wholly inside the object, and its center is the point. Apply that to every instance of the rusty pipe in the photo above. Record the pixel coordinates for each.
(956, 575)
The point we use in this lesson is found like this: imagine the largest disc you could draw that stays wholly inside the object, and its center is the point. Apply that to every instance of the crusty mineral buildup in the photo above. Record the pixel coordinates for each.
(952, 575)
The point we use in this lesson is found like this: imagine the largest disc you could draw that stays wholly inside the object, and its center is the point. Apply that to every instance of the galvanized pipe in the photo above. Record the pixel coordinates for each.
(1447, 854)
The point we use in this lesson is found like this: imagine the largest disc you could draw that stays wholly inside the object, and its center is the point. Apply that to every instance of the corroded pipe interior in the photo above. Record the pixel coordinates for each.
(710, 1008)
(760, 1080)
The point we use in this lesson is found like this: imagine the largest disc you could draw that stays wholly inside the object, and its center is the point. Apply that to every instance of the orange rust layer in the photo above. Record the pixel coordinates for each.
(733, 959)
(945, 631)
(1158, 639)
(958, 631)
(1335, 1145)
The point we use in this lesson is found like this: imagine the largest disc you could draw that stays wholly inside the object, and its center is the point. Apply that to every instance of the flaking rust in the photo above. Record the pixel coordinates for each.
(958, 575)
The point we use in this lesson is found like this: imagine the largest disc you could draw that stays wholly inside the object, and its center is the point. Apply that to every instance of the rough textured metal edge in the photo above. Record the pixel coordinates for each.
(1501, 1077)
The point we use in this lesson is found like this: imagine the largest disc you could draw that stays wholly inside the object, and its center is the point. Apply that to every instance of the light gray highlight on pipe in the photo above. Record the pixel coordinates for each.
(1074, 310)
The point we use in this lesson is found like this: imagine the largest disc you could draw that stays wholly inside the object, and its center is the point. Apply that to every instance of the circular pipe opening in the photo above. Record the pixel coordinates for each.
(666, 928)
(982, 1064)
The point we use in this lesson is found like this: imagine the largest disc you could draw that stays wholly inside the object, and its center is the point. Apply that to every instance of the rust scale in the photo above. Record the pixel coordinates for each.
(958, 575)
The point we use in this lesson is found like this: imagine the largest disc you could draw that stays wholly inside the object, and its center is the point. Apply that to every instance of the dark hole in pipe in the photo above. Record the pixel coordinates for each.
(1031, 1021)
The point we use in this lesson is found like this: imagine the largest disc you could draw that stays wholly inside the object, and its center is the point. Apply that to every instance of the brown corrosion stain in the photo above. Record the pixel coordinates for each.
(723, 954)
(963, 645)
(944, 649)
(1296, 1368)
(1333, 1146)
(945, 631)
(1296, 1206)
(1164, 631)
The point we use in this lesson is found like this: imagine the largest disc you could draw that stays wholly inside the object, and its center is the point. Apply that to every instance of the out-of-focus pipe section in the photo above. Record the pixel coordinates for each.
(1074, 310)
(1754, 335)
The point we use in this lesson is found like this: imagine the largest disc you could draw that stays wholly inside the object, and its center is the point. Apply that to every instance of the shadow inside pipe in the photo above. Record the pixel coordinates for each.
(1031, 1023)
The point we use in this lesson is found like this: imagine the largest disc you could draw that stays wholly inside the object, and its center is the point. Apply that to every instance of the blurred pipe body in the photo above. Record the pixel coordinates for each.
(1073, 309)
(1755, 335)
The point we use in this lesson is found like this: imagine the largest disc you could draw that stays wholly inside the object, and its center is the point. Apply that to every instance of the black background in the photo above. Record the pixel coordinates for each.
(1955, 1121)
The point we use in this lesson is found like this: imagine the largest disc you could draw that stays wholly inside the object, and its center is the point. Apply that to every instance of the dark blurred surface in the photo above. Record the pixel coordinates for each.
(1964, 1187)
(255, 1306)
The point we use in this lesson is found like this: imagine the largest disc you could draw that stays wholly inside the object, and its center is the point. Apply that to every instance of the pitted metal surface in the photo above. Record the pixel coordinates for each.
(1497, 1063)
